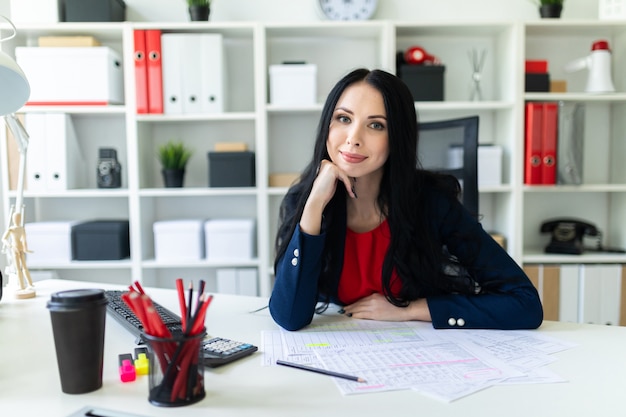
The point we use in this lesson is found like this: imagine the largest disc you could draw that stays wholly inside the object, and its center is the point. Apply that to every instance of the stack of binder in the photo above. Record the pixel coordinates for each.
(148, 71)
(553, 149)
(54, 161)
(179, 73)
(541, 142)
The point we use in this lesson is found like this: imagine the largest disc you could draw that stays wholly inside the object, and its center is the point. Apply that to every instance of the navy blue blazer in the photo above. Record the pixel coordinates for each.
(512, 301)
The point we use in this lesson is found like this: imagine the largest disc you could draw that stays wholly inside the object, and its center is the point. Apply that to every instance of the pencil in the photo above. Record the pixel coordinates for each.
(181, 302)
(319, 371)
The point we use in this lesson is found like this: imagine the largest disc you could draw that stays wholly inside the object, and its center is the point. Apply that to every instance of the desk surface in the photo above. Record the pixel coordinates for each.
(29, 382)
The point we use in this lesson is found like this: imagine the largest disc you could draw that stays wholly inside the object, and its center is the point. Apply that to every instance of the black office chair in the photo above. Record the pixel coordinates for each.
(460, 136)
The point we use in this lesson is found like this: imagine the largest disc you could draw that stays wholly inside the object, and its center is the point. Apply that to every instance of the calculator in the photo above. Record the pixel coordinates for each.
(219, 351)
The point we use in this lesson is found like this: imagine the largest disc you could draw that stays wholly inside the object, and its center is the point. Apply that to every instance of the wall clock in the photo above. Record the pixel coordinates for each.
(347, 9)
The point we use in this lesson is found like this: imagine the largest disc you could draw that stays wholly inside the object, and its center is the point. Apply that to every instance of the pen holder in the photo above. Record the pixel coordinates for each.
(176, 375)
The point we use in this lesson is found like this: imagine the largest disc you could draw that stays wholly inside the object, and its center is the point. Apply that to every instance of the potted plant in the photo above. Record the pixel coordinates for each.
(199, 9)
(173, 157)
(550, 8)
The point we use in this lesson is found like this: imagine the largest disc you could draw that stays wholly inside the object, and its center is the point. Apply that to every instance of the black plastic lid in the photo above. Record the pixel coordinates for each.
(75, 298)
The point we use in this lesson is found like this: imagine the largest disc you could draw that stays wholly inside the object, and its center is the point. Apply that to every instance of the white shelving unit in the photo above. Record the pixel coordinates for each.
(282, 137)
(601, 198)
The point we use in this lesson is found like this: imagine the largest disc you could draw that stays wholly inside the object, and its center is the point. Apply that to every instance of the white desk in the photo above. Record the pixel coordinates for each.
(29, 381)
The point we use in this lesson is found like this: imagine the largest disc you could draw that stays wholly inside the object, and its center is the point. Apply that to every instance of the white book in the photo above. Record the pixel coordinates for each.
(35, 124)
(591, 294)
(65, 166)
(213, 80)
(54, 161)
(610, 294)
(171, 67)
(192, 73)
(569, 293)
(200, 62)
(601, 293)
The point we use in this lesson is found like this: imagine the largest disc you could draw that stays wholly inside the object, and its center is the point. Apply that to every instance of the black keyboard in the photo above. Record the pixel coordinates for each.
(217, 350)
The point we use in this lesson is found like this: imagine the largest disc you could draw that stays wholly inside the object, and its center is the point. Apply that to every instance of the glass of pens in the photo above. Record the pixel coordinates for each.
(176, 375)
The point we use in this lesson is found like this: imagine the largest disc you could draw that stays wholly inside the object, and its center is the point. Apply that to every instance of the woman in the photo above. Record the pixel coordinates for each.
(365, 229)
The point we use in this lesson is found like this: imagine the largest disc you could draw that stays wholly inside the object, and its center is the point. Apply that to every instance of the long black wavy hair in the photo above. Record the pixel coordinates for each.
(416, 261)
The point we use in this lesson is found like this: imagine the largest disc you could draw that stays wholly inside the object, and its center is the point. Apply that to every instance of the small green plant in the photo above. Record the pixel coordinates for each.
(174, 155)
(199, 2)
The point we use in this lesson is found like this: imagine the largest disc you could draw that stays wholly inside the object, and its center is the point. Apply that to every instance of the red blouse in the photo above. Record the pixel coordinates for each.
(363, 264)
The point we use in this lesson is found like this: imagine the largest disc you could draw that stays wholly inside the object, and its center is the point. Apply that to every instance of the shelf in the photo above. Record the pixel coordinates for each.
(277, 109)
(121, 264)
(197, 192)
(213, 117)
(325, 29)
(587, 188)
(495, 189)
(243, 30)
(574, 28)
(577, 97)
(103, 31)
(452, 29)
(204, 263)
(79, 193)
(91, 110)
(538, 257)
(282, 137)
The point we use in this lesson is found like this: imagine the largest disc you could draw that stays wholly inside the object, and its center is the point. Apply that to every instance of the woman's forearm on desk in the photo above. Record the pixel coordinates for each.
(294, 295)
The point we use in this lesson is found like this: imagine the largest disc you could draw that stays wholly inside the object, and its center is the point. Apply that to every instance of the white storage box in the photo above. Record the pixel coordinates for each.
(611, 9)
(35, 11)
(72, 75)
(230, 239)
(50, 242)
(179, 240)
(489, 163)
(293, 84)
(242, 281)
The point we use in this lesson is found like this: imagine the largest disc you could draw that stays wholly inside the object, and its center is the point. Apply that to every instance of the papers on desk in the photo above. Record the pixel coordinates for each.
(444, 364)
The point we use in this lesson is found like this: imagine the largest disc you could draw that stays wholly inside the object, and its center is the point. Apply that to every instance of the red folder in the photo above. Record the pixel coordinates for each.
(141, 74)
(549, 143)
(533, 143)
(155, 74)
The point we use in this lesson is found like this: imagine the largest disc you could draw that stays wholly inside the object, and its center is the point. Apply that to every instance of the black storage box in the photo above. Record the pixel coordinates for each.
(93, 10)
(101, 240)
(424, 81)
(231, 169)
(538, 82)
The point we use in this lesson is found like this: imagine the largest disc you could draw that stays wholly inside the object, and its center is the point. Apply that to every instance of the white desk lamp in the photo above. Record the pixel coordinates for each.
(14, 93)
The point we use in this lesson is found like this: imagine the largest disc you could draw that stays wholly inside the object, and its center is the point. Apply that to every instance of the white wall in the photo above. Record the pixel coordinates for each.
(305, 10)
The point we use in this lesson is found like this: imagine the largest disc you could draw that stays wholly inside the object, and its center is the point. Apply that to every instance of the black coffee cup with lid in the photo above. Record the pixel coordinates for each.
(78, 322)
